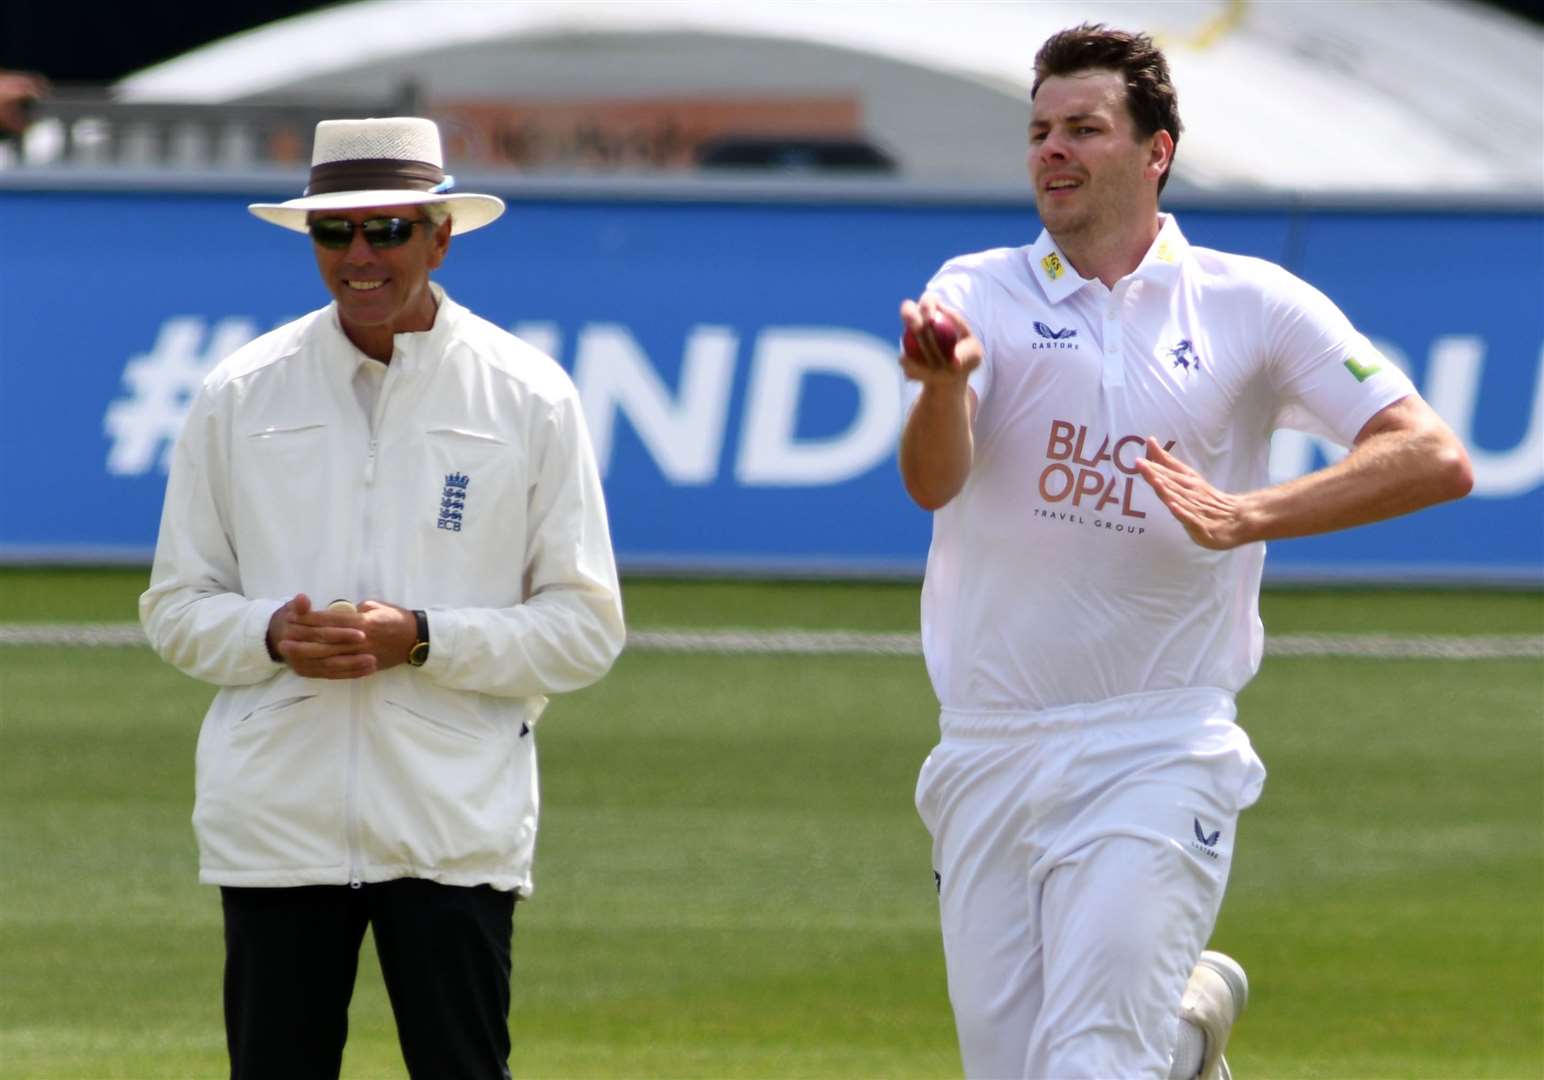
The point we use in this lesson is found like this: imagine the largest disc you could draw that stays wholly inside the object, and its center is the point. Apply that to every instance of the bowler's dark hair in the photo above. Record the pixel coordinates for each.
(1150, 96)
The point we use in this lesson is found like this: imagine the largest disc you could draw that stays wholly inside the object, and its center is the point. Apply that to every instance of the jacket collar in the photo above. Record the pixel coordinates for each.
(411, 351)
(424, 349)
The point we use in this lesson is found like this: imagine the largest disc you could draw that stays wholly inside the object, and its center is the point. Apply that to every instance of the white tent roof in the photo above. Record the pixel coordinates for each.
(1318, 96)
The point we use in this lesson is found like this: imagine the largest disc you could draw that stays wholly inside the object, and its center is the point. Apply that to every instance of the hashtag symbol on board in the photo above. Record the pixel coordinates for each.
(159, 387)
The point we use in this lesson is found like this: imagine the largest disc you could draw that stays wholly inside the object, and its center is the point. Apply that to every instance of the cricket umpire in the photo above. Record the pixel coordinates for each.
(372, 762)
(1095, 447)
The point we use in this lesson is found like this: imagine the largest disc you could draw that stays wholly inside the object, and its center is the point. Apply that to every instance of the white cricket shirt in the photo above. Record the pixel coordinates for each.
(1056, 576)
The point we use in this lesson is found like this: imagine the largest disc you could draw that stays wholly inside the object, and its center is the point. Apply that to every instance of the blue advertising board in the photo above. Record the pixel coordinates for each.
(735, 357)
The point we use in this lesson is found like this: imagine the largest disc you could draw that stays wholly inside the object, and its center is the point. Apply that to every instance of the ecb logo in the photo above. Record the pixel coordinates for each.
(453, 502)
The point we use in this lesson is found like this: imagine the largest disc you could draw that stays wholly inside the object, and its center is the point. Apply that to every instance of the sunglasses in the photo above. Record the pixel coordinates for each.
(382, 232)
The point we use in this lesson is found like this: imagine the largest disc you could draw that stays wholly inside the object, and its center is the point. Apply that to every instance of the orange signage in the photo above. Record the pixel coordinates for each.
(626, 133)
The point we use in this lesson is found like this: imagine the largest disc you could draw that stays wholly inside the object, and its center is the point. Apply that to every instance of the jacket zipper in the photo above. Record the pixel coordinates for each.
(356, 705)
(356, 695)
(351, 812)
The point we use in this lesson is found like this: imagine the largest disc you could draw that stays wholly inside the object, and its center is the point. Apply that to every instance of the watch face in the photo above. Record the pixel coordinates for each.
(419, 654)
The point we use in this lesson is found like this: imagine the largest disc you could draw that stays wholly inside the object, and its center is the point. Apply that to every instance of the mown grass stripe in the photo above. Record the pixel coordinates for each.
(860, 643)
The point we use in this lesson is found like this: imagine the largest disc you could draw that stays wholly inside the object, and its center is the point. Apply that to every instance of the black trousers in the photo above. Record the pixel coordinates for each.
(290, 959)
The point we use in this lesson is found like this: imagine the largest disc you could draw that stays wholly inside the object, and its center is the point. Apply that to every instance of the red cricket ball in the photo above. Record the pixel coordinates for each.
(945, 333)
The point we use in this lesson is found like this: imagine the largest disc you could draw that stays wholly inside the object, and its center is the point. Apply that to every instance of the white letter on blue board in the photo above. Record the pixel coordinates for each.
(770, 454)
(683, 434)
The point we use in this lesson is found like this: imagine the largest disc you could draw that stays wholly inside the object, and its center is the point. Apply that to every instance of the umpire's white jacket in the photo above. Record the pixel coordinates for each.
(478, 500)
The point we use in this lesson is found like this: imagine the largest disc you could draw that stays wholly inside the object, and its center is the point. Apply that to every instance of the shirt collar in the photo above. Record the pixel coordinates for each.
(1053, 269)
(1168, 251)
(1059, 280)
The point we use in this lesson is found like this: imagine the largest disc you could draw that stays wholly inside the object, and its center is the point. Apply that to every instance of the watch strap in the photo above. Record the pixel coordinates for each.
(419, 653)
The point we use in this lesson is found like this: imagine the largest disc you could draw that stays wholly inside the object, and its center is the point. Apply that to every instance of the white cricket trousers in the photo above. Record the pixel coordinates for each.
(1082, 855)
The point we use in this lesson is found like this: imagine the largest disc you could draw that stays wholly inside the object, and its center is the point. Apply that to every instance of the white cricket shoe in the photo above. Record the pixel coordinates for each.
(1214, 998)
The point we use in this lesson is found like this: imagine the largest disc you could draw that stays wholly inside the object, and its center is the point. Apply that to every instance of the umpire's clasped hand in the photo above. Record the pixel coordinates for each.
(333, 643)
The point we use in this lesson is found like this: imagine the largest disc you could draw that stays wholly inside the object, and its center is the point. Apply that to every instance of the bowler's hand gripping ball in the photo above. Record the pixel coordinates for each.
(945, 333)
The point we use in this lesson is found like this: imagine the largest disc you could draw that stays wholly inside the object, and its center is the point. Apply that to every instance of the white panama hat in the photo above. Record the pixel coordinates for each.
(390, 161)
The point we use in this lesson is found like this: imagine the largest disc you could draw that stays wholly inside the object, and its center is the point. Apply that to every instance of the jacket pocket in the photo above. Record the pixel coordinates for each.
(272, 707)
(282, 431)
(271, 786)
(467, 433)
(263, 723)
(469, 476)
(275, 470)
(295, 446)
(438, 724)
(438, 791)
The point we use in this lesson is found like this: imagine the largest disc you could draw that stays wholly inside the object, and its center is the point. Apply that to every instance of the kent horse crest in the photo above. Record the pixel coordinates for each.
(1184, 356)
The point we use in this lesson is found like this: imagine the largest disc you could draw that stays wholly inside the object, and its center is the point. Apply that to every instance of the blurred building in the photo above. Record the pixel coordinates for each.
(1424, 96)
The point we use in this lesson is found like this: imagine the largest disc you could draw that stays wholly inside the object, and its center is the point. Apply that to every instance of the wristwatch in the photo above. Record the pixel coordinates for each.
(420, 650)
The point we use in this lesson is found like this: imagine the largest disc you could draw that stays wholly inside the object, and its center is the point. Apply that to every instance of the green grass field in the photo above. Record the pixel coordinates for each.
(732, 881)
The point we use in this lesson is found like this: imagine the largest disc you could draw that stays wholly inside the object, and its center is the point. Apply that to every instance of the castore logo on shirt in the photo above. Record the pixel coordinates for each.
(1054, 339)
(1206, 842)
